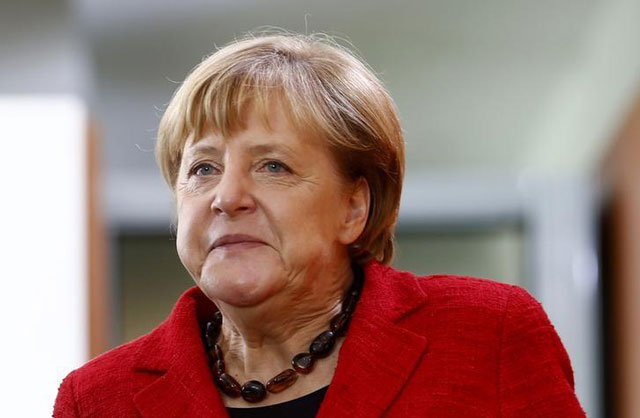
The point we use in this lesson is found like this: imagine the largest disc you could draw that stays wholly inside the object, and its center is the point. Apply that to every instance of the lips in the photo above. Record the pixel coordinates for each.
(236, 241)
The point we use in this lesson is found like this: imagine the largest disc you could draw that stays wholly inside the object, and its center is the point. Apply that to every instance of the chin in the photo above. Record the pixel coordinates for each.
(241, 282)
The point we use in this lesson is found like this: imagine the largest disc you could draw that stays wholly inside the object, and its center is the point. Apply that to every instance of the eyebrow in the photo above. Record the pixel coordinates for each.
(203, 149)
(254, 150)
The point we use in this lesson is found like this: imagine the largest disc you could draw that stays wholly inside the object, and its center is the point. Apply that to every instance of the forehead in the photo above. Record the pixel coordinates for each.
(260, 129)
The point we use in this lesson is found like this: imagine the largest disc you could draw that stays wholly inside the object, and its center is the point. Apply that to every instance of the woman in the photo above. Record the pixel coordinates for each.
(285, 155)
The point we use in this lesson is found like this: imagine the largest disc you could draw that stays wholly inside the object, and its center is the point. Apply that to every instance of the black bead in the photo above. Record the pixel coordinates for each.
(340, 323)
(212, 330)
(349, 305)
(215, 353)
(218, 368)
(253, 391)
(323, 344)
(218, 351)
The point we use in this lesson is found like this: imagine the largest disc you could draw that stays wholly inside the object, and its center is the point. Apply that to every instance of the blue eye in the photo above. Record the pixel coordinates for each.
(202, 169)
(276, 167)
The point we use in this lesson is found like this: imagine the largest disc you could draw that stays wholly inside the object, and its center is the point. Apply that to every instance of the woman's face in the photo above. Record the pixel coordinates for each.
(262, 211)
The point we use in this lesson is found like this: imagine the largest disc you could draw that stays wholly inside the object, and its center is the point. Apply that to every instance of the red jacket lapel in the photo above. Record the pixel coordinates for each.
(378, 355)
(184, 387)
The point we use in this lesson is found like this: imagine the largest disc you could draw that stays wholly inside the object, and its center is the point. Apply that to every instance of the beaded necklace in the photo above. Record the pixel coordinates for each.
(302, 363)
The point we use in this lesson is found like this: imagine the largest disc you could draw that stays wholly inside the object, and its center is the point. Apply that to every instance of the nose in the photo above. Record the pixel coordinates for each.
(232, 195)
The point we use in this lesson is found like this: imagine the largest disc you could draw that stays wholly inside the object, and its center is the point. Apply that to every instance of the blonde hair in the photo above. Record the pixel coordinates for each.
(324, 90)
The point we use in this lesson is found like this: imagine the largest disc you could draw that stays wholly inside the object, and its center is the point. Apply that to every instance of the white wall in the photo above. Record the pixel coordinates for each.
(43, 291)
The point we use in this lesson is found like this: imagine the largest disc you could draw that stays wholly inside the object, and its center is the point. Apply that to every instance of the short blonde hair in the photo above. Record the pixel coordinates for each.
(324, 90)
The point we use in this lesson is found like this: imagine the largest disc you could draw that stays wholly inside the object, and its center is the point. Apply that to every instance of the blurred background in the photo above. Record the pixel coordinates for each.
(522, 128)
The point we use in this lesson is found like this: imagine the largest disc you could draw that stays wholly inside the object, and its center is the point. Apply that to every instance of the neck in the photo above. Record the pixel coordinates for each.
(259, 341)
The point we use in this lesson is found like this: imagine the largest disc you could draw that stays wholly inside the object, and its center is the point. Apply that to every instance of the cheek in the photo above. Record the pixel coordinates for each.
(189, 239)
(182, 242)
(327, 207)
(313, 217)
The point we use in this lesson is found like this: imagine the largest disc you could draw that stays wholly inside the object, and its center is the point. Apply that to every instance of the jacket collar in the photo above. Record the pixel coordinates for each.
(174, 351)
(378, 353)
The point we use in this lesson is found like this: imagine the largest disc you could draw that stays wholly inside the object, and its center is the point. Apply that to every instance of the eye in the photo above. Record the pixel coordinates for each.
(202, 169)
(275, 167)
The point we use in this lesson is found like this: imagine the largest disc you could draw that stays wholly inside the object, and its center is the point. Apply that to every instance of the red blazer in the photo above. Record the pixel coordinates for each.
(434, 346)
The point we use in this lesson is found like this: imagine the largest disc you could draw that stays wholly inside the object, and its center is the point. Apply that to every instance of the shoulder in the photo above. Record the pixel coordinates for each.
(459, 309)
(119, 360)
(474, 292)
(467, 289)
(108, 378)
(505, 315)
(490, 340)
(403, 292)
(508, 302)
(150, 351)
(459, 292)
(457, 303)
(111, 381)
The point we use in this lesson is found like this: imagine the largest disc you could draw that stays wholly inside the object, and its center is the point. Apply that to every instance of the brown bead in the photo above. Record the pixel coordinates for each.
(303, 363)
(282, 381)
(339, 323)
(253, 391)
(323, 344)
(228, 385)
(218, 368)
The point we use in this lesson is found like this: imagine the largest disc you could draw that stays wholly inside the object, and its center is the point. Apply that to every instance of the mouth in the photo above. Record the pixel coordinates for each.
(236, 242)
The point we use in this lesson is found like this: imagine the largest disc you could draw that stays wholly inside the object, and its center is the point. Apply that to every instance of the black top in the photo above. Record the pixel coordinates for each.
(306, 406)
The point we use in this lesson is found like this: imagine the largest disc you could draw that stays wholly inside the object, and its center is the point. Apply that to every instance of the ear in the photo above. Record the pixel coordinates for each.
(357, 203)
